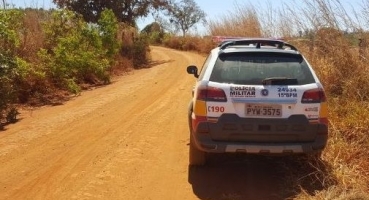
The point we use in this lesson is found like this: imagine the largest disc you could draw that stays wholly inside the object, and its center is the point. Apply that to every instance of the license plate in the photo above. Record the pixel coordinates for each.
(263, 110)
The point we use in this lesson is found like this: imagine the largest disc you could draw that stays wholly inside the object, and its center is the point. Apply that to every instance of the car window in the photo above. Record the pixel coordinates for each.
(205, 65)
(251, 68)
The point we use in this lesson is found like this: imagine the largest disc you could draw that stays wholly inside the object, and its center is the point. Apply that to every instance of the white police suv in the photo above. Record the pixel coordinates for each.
(257, 96)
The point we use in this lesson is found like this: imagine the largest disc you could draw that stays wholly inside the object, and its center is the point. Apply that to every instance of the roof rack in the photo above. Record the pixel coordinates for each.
(258, 43)
(221, 39)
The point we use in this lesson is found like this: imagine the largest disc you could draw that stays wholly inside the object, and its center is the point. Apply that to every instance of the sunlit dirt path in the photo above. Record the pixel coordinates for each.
(127, 140)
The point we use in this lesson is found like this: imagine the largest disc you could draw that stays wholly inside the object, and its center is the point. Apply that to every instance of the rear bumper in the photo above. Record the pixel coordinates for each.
(231, 133)
(261, 148)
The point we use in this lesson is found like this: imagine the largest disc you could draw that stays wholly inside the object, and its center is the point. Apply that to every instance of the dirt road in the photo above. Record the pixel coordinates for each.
(128, 140)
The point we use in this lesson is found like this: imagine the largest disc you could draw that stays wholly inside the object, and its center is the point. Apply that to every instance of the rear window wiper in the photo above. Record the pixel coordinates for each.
(280, 81)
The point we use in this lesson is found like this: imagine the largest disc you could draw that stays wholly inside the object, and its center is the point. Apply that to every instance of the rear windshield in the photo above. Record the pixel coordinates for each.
(252, 68)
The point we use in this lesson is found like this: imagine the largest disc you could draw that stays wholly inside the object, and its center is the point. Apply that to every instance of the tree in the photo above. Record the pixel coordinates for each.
(154, 32)
(125, 10)
(185, 14)
(108, 28)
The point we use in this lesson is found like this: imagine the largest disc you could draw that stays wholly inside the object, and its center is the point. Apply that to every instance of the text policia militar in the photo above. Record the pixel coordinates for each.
(242, 91)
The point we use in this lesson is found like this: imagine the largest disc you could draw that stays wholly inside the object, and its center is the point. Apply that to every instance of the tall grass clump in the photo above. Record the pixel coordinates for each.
(32, 36)
(243, 21)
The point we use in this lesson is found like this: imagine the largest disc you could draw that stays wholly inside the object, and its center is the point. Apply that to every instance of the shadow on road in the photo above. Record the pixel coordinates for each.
(4, 124)
(157, 62)
(243, 177)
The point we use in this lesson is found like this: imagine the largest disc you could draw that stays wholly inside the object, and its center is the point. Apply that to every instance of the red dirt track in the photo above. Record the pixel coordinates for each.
(127, 140)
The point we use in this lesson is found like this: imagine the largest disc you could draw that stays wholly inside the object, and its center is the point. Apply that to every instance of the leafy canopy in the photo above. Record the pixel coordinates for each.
(185, 14)
(125, 10)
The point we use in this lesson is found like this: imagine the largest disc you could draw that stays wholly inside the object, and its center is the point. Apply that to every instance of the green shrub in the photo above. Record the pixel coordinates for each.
(137, 51)
(154, 33)
(78, 52)
(156, 37)
(140, 51)
(108, 28)
(11, 66)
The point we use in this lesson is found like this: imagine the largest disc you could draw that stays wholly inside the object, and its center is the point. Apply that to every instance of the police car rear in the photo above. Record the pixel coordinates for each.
(256, 96)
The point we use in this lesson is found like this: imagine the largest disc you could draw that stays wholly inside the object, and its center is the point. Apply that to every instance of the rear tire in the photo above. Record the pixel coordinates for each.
(196, 157)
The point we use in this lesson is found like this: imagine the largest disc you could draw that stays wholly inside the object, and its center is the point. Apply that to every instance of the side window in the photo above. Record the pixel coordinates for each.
(204, 66)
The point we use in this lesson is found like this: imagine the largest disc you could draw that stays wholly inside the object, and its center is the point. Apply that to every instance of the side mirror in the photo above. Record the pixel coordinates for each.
(192, 69)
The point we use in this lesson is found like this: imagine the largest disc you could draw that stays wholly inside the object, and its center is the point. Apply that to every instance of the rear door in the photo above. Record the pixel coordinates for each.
(262, 84)
(264, 93)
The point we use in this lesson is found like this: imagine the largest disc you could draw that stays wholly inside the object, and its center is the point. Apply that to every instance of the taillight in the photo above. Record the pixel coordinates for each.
(313, 96)
(211, 94)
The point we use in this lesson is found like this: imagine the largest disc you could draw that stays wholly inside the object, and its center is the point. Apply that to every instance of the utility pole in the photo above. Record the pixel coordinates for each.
(4, 4)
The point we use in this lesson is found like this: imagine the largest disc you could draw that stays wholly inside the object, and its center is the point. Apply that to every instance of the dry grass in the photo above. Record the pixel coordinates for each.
(190, 43)
(243, 22)
(122, 66)
(32, 34)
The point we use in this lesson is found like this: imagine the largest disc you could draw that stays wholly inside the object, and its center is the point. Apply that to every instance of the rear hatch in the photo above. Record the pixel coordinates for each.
(269, 98)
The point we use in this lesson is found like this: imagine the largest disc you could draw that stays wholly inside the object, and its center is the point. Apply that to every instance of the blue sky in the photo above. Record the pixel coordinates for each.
(31, 3)
(213, 8)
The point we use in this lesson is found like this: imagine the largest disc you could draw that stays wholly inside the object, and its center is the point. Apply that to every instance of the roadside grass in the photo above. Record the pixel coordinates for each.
(344, 75)
(346, 155)
(190, 43)
(244, 21)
